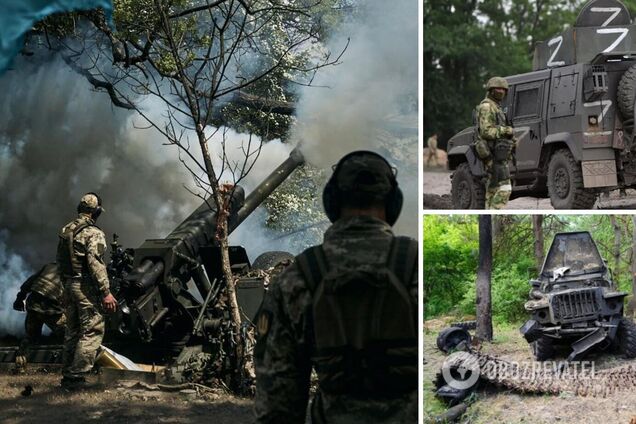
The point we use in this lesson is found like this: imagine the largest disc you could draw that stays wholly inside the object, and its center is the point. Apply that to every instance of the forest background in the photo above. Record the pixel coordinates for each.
(451, 254)
(467, 42)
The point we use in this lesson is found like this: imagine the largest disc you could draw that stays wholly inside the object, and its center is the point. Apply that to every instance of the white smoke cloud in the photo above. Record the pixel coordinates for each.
(370, 94)
(13, 271)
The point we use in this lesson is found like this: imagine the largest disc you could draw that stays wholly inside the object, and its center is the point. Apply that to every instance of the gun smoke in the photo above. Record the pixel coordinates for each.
(369, 101)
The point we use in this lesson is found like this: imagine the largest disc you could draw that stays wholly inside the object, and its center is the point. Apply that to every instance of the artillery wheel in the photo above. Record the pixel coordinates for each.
(467, 191)
(626, 337)
(449, 338)
(543, 349)
(565, 183)
(271, 259)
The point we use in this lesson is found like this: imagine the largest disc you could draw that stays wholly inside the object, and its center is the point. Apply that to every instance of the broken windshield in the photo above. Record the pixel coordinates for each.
(572, 254)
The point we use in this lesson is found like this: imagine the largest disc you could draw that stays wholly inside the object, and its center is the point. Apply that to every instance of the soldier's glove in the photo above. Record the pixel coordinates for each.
(507, 132)
(18, 305)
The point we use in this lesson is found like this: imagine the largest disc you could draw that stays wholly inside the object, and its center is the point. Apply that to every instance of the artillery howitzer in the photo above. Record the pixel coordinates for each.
(158, 313)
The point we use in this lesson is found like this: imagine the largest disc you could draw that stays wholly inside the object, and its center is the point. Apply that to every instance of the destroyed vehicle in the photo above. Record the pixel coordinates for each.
(575, 303)
(573, 116)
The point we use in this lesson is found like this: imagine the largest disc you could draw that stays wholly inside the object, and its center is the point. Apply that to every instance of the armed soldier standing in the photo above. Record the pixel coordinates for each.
(80, 256)
(495, 143)
(43, 292)
(347, 308)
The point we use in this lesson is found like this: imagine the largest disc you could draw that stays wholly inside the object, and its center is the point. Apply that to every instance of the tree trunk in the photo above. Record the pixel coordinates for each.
(537, 228)
(484, 273)
(616, 253)
(633, 255)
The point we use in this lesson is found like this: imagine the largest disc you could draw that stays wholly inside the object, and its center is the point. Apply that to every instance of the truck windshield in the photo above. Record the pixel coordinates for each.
(575, 251)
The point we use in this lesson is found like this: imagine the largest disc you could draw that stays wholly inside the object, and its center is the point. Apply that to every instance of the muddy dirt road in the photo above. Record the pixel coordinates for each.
(437, 188)
(111, 404)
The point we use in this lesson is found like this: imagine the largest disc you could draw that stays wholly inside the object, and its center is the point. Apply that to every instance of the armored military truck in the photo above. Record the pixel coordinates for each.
(573, 116)
(575, 303)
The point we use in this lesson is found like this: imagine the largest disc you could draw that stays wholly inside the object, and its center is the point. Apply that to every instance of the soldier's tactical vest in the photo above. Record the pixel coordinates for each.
(364, 323)
(71, 266)
(483, 147)
(48, 283)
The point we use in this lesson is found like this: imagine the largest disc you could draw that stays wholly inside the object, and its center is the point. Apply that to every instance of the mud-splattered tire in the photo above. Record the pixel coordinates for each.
(543, 349)
(270, 259)
(626, 337)
(449, 338)
(466, 325)
(565, 183)
(467, 192)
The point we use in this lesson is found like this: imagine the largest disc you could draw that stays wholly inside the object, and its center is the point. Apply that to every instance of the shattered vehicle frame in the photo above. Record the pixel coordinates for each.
(575, 303)
(573, 116)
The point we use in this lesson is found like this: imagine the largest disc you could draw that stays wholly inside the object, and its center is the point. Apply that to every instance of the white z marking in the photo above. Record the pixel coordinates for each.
(551, 61)
(615, 10)
(606, 104)
(622, 31)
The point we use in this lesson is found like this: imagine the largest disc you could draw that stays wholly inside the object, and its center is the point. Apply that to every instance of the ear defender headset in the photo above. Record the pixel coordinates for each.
(95, 212)
(332, 193)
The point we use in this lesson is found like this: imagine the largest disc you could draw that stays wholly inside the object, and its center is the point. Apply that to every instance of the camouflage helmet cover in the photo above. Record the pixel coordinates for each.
(497, 82)
(90, 202)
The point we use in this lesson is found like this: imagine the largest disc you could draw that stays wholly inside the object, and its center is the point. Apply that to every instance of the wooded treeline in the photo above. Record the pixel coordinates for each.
(519, 243)
(467, 42)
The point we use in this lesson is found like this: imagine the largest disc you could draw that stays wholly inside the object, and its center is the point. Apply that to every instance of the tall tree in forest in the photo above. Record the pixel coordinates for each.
(537, 229)
(484, 275)
(616, 251)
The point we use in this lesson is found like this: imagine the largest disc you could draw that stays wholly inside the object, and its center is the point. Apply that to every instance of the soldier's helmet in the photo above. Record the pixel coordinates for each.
(497, 82)
(363, 176)
(90, 203)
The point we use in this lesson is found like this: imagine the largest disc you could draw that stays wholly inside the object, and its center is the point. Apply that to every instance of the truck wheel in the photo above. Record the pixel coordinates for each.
(270, 259)
(565, 183)
(626, 336)
(449, 338)
(467, 192)
(626, 93)
(542, 349)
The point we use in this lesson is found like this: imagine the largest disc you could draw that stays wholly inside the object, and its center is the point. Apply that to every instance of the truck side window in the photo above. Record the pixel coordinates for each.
(527, 103)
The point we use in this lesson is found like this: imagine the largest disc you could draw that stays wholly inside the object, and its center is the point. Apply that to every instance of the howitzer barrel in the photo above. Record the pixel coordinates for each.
(264, 189)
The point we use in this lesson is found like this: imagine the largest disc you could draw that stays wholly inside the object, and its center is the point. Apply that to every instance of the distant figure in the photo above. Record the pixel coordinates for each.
(346, 308)
(44, 293)
(80, 256)
(495, 143)
(431, 143)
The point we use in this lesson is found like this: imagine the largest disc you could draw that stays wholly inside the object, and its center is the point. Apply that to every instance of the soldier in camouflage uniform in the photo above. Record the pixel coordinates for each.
(80, 256)
(341, 309)
(43, 306)
(494, 143)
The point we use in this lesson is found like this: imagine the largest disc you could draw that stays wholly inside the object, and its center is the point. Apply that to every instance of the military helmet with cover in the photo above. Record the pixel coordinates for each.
(363, 176)
(497, 82)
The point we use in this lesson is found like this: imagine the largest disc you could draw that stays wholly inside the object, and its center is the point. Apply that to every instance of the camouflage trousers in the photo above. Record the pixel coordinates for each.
(33, 328)
(84, 328)
(497, 195)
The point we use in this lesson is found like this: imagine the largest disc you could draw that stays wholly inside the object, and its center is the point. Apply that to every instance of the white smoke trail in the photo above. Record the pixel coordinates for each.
(370, 102)
(13, 271)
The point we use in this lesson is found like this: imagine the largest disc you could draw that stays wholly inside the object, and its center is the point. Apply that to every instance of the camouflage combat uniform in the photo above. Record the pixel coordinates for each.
(431, 143)
(494, 133)
(83, 293)
(44, 305)
(284, 347)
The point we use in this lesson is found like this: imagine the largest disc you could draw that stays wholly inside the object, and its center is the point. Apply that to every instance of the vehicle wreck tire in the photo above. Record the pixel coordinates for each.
(626, 337)
(467, 191)
(565, 183)
(543, 349)
(449, 338)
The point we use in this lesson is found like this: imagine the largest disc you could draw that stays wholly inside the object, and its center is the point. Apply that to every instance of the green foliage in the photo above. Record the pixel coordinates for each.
(465, 43)
(450, 261)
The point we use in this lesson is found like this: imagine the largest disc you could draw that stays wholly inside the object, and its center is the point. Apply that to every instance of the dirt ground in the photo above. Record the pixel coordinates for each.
(437, 188)
(494, 405)
(117, 403)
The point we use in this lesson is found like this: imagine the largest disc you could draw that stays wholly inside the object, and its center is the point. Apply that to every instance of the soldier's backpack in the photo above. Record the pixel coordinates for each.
(364, 323)
(68, 262)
